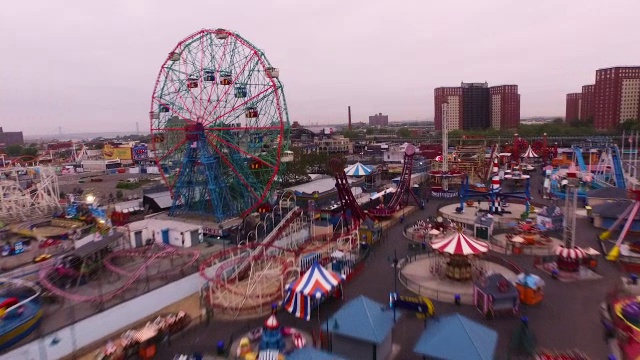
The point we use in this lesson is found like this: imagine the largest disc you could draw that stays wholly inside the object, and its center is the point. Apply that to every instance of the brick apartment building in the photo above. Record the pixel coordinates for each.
(11, 138)
(477, 106)
(505, 107)
(448, 102)
(379, 120)
(574, 106)
(587, 102)
(614, 98)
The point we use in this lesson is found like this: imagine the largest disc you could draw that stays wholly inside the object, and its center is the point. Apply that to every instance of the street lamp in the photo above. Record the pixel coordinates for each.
(90, 198)
(394, 263)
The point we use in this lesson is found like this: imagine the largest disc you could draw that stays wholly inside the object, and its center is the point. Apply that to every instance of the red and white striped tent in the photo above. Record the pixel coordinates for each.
(460, 244)
(570, 253)
(529, 154)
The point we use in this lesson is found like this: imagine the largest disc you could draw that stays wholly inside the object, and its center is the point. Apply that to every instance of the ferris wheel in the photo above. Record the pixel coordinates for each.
(219, 125)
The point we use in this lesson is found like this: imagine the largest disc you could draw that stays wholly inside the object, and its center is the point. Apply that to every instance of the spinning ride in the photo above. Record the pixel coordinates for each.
(219, 124)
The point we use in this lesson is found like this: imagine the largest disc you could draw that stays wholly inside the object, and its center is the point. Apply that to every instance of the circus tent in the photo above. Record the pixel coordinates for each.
(529, 154)
(460, 244)
(358, 169)
(316, 283)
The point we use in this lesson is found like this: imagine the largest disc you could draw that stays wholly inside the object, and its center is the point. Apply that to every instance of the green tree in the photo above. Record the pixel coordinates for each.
(29, 151)
(13, 150)
(296, 170)
(403, 132)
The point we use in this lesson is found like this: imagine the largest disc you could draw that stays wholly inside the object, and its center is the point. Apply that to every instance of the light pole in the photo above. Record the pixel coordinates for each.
(395, 279)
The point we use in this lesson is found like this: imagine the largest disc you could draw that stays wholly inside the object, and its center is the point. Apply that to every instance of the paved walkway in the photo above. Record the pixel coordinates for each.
(419, 277)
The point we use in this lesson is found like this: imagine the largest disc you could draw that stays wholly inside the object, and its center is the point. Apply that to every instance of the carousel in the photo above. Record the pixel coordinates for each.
(271, 341)
(459, 249)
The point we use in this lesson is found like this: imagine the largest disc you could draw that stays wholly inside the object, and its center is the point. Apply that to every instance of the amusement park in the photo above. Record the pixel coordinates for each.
(487, 250)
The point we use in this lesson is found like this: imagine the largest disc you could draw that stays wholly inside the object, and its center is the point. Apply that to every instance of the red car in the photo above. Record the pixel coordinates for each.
(49, 242)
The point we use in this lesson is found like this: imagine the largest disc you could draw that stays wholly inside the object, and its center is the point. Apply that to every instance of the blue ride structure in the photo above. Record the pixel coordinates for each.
(617, 167)
(20, 311)
(494, 194)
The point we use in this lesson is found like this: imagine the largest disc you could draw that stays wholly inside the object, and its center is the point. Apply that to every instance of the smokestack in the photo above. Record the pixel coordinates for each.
(349, 108)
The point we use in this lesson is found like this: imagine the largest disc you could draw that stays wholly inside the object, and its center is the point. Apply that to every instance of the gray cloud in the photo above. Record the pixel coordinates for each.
(87, 65)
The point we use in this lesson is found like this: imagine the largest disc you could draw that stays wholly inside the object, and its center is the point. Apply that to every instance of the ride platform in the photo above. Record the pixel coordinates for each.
(423, 278)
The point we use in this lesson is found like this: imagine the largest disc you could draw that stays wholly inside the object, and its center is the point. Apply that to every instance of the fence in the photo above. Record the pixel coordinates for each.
(434, 260)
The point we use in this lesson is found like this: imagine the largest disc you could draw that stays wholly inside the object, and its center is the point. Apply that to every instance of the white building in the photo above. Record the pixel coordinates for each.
(169, 232)
(395, 154)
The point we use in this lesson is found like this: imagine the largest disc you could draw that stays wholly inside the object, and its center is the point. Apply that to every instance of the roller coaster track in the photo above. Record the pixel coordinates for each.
(259, 251)
(145, 253)
(166, 252)
(401, 196)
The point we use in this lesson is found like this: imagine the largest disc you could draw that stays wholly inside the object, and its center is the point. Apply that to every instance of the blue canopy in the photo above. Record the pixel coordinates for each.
(455, 337)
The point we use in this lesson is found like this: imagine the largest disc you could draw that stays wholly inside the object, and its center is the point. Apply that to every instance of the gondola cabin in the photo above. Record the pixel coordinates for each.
(256, 165)
(273, 73)
(154, 115)
(192, 82)
(209, 75)
(164, 109)
(251, 112)
(240, 91)
(174, 56)
(221, 34)
(225, 78)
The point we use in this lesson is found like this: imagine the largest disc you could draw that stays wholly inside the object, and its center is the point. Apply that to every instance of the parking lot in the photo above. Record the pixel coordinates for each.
(107, 185)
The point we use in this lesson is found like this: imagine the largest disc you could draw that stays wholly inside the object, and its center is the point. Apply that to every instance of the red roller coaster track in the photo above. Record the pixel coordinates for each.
(400, 198)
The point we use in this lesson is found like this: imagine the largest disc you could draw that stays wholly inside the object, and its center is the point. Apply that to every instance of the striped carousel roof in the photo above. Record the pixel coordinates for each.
(460, 244)
(529, 153)
(358, 169)
(570, 253)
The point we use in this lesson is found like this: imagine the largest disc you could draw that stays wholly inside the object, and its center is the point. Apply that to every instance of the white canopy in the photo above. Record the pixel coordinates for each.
(529, 153)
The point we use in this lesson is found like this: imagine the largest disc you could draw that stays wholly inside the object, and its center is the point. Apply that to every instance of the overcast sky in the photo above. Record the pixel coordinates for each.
(91, 65)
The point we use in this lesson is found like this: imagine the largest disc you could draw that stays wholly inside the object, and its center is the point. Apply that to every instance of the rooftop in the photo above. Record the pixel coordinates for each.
(362, 319)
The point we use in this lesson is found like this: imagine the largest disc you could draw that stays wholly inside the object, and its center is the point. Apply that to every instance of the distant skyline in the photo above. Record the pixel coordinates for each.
(91, 66)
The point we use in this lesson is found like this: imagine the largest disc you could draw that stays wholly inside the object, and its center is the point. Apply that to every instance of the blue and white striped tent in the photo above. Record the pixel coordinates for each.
(358, 169)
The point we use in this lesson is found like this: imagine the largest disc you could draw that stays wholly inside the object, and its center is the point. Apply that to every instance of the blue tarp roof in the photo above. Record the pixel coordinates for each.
(310, 353)
(455, 337)
(362, 319)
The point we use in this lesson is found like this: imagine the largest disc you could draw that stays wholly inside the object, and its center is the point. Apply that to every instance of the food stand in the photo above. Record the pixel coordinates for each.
(495, 294)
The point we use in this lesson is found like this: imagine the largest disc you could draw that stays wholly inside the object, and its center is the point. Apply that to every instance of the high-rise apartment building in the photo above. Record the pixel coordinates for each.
(574, 103)
(617, 96)
(505, 106)
(448, 105)
(477, 106)
(379, 120)
(587, 103)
